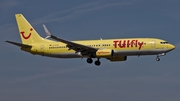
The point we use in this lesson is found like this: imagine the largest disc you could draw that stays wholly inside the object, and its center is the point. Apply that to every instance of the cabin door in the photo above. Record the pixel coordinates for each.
(153, 44)
(42, 48)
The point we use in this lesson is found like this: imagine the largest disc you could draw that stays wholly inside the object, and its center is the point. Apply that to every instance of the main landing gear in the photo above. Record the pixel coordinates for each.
(162, 54)
(89, 60)
(97, 62)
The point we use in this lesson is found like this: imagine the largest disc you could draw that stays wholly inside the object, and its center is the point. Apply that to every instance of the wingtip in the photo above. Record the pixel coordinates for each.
(46, 30)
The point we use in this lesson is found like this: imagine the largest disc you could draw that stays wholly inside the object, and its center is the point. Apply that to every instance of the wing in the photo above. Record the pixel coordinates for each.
(84, 50)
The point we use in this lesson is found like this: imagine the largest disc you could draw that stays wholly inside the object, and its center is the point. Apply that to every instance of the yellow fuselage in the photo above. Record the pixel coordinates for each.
(121, 47)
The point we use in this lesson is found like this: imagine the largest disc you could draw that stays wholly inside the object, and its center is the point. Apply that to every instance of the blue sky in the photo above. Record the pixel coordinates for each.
(24, 77)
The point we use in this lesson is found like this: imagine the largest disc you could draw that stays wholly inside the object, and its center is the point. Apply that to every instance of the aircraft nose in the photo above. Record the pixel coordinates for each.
(172, 47)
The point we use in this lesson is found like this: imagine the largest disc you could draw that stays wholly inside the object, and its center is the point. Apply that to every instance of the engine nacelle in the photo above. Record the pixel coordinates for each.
(107, 53)
(118, 58)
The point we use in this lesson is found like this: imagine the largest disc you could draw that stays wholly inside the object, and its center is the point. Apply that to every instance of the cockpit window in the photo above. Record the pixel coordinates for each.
(164, 42)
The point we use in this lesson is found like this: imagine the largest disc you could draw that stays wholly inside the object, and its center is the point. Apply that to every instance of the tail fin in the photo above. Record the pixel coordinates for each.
(27, 32)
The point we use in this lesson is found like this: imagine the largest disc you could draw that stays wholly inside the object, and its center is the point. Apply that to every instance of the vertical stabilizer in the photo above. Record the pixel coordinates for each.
(27, 33)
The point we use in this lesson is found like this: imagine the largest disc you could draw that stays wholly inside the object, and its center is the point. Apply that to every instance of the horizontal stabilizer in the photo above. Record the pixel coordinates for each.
(19, 44)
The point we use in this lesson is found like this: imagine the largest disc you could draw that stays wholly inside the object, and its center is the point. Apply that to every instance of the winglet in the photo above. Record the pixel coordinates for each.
(47, 32)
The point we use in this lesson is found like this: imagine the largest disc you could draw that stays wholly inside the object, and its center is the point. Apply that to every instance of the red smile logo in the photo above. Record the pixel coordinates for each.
(26, 37)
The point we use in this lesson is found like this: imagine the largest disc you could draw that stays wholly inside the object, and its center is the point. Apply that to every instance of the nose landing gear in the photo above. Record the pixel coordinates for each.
(162, 54)
(158, 59)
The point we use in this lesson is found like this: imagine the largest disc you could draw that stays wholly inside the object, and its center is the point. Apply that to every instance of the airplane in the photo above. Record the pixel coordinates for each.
(115, 50)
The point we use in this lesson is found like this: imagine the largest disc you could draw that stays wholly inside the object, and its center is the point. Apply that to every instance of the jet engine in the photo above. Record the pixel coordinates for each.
(107, 53)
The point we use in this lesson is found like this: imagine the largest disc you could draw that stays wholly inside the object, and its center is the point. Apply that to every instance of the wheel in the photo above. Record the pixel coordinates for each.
(157, 59)
(89, 60)
(97, 63)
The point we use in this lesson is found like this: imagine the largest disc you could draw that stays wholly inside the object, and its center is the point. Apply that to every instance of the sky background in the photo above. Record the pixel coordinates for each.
(24, 77)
